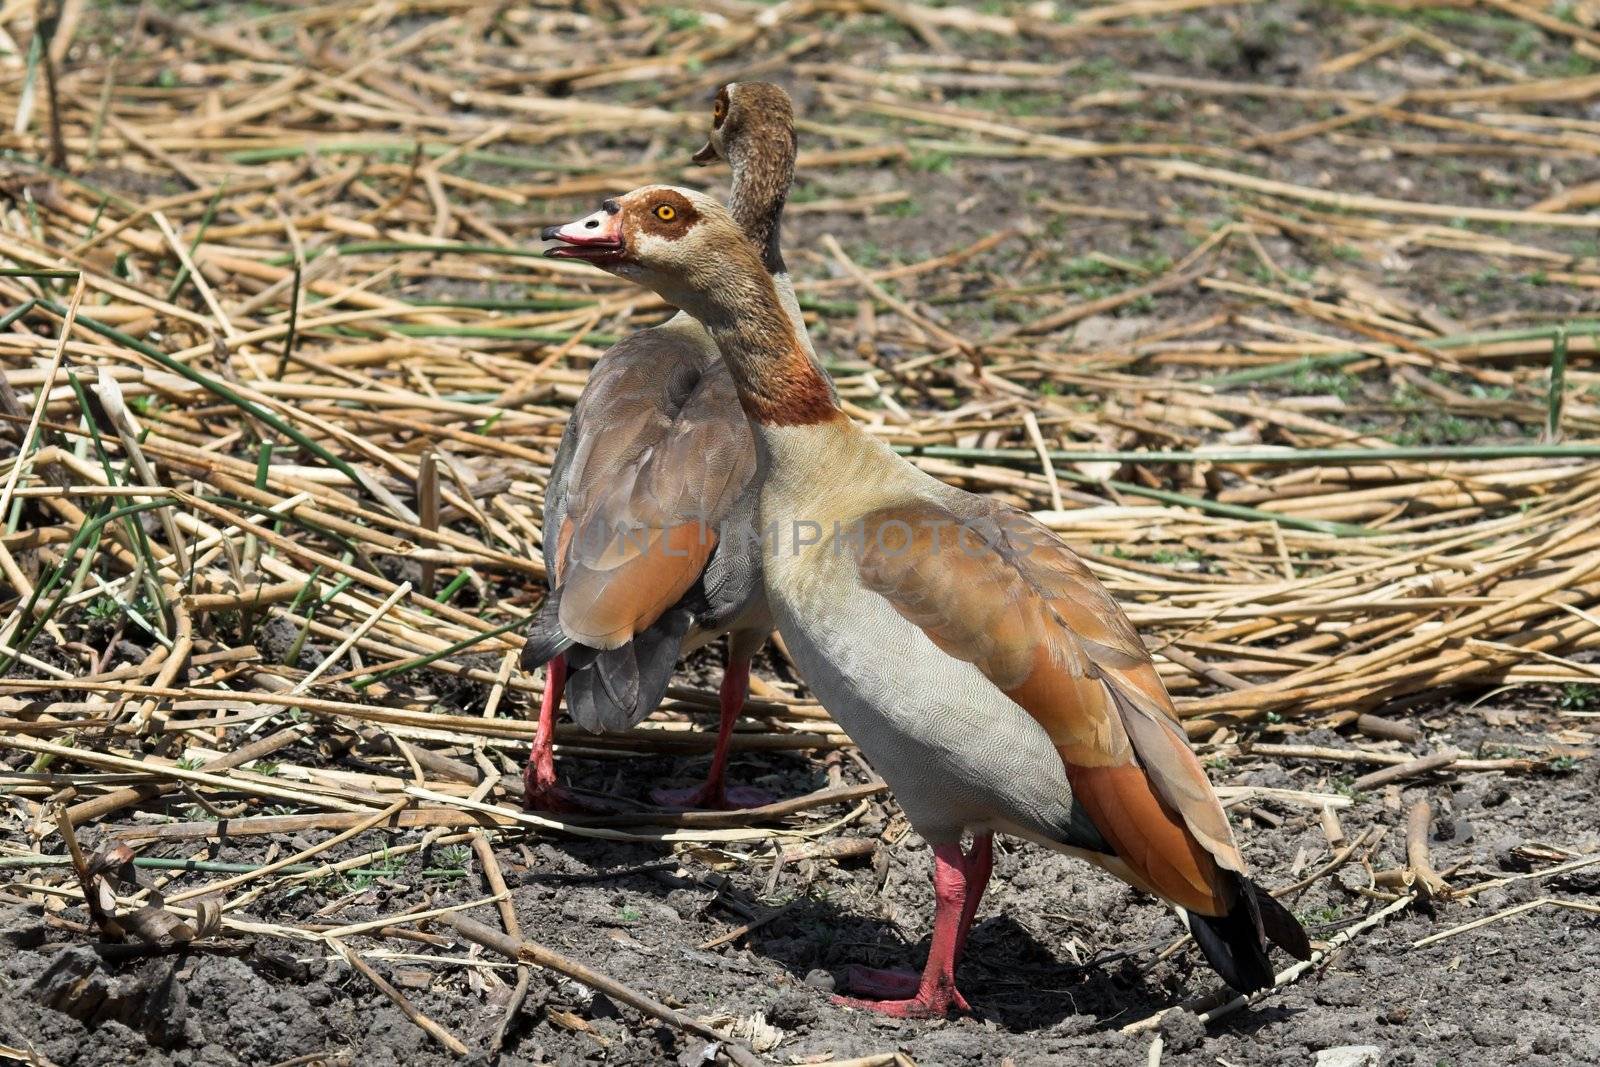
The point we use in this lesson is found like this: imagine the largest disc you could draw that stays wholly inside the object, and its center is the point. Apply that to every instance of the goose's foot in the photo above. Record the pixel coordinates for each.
(558, 800)
(958, 882)
(542, 793)
(878, 983)
(540, 790)
(712, 796)
(934, 1003)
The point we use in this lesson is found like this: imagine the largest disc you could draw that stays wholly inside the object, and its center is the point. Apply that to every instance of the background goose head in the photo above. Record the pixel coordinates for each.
(688, 248)
(752, 128)
(749, 118)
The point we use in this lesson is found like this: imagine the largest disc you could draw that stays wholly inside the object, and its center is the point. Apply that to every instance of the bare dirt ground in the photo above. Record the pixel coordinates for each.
(1046, 126)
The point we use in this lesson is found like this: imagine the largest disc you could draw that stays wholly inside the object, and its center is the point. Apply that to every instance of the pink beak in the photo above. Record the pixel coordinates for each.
(596, 238)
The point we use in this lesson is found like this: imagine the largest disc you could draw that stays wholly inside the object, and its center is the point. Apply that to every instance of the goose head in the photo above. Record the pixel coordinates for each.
(748, 115)
(668, 239)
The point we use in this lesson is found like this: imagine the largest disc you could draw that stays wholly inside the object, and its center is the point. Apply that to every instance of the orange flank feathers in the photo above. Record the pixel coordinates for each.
(1149, 837)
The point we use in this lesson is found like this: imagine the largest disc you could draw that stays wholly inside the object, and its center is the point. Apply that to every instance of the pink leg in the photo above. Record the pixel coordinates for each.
(979, 865)
(936, 994)
(540, 791)
(898, 983)
(715, 793)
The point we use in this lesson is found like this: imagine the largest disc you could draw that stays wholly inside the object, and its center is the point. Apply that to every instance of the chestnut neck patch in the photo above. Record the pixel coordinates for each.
(779, 385)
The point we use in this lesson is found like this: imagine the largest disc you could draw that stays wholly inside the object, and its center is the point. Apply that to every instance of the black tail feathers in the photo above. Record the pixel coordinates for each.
(615, 689)
(545, 638)
(1280, 925)
(612, 689)
(1235, 944)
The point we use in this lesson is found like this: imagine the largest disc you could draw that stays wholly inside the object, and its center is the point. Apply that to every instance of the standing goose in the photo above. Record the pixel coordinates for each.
(977, 662)
(656, 458)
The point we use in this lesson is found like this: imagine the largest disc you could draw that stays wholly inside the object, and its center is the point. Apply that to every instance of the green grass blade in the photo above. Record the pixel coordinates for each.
(199, 235)
(1558, 385)
(433, 657)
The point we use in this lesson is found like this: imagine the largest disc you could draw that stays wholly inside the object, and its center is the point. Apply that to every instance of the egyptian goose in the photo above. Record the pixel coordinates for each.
(657, 455)
(978, 663)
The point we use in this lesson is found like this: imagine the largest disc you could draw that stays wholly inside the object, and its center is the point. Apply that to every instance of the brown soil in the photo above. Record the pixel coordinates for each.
(1062, 956)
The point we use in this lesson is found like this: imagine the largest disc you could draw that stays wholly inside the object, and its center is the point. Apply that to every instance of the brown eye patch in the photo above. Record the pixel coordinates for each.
(667, 213)
(719, 110)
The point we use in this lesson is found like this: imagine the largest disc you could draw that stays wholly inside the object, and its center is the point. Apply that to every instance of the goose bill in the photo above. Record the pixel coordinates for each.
(595, 238)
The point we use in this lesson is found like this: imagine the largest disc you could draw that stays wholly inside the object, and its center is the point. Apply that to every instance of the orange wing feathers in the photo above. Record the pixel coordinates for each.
(1170, 862)
(604, 607)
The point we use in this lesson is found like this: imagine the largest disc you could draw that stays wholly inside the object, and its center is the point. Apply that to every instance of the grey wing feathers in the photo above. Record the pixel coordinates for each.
(731, 582)
(656, 442)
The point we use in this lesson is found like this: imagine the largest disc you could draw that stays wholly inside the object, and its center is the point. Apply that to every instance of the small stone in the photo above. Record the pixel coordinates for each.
(1492, 900)
(1351, 1056)
(686, 903)
(792, 1009)
(821, 979)
(698, 1052)
(1340, 991)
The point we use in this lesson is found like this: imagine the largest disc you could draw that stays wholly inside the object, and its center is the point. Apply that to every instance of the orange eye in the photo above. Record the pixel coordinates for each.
(666, 212)
(719, 111)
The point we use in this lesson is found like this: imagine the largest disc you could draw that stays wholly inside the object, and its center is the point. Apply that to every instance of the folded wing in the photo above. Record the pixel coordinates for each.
(992, 586)
(655, 465)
